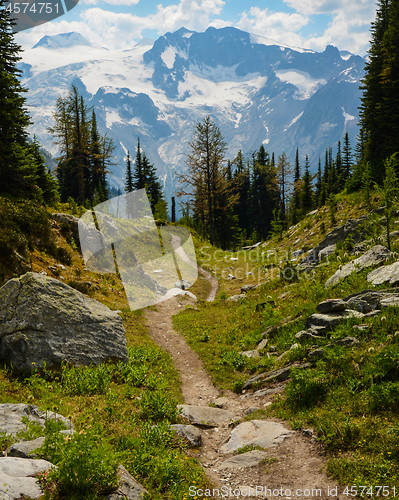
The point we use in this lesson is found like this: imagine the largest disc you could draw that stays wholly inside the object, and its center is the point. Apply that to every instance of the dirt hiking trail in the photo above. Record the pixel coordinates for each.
(291, 468)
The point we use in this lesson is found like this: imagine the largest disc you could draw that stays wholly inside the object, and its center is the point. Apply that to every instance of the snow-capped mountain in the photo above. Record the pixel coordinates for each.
(256, 90)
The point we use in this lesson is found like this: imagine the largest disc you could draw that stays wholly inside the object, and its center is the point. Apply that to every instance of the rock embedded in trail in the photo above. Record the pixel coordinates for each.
(206, 416)
(249, 459)
(256, 433)
(45, 320)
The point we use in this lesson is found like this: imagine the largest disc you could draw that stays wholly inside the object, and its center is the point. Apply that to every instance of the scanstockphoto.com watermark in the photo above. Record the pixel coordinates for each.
(261, 492)
(368, 491)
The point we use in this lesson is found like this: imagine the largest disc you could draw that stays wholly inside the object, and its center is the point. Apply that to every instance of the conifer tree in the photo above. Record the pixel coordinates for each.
(296, 205)
(319, 185)
(138, 174)
(346, 157)
(15, 170)
(129, 184)
(43, 179)
(241, 188)
(307, 192)
(284, 179)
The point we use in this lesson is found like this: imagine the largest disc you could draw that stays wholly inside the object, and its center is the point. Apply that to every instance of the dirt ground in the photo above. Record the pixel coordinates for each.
(293, 469)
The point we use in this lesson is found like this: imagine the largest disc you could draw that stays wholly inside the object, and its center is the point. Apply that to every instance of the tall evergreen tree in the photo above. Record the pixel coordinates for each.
(307, 192)
(129, 184)
(15, 170)
(346, 157)
(138, 174)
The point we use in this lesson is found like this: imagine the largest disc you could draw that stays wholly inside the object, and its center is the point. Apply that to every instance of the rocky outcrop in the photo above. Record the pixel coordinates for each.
(329, 321)
(331, 306)
(372, 257)
(128, 488)
(249, 459)
(352, 228)
(385, 274)
(45, 320)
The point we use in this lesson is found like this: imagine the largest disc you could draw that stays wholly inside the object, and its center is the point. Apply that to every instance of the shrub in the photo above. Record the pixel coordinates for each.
(85, 379)
(305, 389)
(158, 406)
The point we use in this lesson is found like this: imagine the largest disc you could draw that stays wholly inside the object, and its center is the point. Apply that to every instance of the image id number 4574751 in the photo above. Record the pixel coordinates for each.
(370, 491)
(35, 7)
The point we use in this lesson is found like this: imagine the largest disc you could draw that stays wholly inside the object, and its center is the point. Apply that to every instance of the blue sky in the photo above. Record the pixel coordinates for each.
(120, 24)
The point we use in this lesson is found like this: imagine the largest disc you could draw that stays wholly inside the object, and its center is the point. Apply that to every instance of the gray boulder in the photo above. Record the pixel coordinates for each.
(236, 298)
(321, 352)
(45, 320)
(326, 252)
(17, 477)
(384, 274)
(189, 432)
(246, 288)
(372, 257)
(375, 298)
(306, 335)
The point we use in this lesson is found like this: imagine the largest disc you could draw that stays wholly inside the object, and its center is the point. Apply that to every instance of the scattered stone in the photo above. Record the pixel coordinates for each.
(268, 392)
(11, 417)
(249, 459)
(17, 477)
(294, 346)
(255, 433)
(205, 416)
(251, 410)
(270, 332)
(331, 306)
(274, 376)
(262, 345)
(384, 274)
(45, 320)
(375, 255)
(347, 342)
(297, 253)
(189, 432)
(220, 402)
(251, 247)
(128, 487)
(251, 354)
(236, 298)
(305, 335)
(246, 288)
(25, 449)
(230, 276)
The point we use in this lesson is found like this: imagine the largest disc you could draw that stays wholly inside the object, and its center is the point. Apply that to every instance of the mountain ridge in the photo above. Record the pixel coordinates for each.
(257, 93)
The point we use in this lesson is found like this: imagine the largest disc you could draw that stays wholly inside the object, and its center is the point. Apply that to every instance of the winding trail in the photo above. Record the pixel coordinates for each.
(295, 464)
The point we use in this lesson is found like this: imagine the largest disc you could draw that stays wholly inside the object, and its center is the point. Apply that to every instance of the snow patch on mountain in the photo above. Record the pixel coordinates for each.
(64, 40)
(169, 57)
(294, 121)
(305, 84)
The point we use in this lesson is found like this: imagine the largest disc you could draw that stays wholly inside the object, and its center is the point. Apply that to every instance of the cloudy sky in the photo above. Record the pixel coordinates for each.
(303, 23)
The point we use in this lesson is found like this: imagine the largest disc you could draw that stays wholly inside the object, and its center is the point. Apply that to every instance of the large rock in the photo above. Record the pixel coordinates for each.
(372, 257)
(352, 228)
(206, 416)
(375, 298)
(255, 433)
(45, 320)
(11, 416)
(17, 477)
(385, 274)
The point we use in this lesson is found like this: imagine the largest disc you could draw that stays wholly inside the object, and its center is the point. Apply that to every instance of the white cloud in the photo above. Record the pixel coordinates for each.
(122, 30)
(111, 2)
(278, 26)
